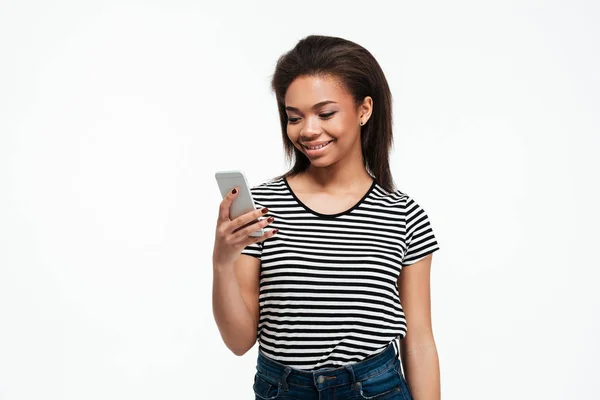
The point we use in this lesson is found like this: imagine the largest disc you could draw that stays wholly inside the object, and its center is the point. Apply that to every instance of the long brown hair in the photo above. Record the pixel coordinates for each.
(359, 72)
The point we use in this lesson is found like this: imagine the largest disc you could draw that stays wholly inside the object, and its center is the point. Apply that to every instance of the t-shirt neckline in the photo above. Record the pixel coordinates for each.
(310, 210)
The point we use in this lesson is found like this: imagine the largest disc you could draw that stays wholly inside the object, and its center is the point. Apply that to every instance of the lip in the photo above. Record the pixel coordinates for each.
(318, 151)
(313, 144)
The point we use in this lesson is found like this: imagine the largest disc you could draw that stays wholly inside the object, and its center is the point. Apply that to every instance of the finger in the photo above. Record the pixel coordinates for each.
(252, 239)
(226, 204)
(247, 219)
(243, 233)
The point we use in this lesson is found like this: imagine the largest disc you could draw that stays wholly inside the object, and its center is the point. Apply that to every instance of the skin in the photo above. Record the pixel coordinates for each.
(337, 177)
(418, 350)
(334, 182)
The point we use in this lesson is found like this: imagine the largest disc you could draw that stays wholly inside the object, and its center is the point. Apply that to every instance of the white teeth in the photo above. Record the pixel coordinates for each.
(317, 147)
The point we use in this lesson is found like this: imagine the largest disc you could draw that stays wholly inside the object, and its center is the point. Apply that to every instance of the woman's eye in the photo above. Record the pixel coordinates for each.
(294, 120)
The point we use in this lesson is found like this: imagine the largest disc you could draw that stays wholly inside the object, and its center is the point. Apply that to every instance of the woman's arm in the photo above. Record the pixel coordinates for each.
(417, 350)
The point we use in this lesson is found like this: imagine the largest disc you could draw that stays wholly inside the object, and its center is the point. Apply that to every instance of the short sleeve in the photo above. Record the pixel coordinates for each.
(254, 250)
(420, 239)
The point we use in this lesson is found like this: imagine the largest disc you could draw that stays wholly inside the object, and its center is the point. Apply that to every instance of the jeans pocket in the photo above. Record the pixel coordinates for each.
(265, 387)
(383, 386)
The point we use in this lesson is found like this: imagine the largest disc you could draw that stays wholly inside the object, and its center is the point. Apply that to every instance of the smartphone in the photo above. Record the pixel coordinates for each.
(243, 203)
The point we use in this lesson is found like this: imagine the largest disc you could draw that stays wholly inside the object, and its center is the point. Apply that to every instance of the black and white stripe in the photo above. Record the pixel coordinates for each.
(328, 283)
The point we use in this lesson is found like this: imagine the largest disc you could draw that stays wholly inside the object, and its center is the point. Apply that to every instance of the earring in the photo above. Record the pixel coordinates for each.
(361, 123)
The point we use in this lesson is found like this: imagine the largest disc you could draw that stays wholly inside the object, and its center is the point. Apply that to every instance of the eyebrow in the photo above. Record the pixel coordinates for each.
(322, 103)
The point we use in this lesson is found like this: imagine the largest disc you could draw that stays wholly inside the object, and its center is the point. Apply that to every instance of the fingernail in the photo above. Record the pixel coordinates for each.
(264, 210)
(275, 231)
(234, 191)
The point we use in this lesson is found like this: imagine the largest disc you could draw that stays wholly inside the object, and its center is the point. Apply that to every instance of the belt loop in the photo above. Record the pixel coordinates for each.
(284, 378)
(351, 372)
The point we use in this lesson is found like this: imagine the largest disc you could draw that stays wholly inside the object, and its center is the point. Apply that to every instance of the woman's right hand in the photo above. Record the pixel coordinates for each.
(231, 236)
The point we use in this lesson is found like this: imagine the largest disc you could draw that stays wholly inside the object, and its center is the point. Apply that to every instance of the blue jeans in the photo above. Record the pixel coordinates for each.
(378, 377)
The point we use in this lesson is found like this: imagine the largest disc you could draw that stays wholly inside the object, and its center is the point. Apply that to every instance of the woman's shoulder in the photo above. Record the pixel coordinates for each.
(408, 206)
(391, 197)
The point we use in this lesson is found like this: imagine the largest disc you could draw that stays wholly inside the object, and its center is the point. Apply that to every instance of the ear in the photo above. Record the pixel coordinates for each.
(365, 109)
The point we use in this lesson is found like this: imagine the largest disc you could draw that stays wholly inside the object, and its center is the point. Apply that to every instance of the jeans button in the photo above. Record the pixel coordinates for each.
(321, 379)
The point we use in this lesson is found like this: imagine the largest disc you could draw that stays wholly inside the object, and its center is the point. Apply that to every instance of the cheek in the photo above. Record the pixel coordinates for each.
(292, 136)
(337, 128)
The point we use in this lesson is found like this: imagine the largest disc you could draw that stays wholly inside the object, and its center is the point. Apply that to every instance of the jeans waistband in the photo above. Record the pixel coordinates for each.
(327, 377)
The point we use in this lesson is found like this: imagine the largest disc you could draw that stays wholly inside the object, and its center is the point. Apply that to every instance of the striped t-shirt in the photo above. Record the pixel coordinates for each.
(329, 282)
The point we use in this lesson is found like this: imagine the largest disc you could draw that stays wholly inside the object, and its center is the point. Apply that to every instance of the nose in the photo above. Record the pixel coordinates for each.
(311, 127)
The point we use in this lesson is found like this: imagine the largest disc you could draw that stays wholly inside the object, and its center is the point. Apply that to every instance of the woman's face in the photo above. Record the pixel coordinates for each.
(320, 111)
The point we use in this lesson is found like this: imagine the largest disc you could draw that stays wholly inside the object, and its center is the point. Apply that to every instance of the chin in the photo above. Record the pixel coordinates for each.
(322, 162)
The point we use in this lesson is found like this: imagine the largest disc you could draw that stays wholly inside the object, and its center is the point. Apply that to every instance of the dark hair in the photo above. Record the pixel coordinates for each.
(358, 71)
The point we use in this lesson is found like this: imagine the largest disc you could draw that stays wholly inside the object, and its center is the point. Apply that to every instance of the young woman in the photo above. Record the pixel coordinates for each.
(322, 291)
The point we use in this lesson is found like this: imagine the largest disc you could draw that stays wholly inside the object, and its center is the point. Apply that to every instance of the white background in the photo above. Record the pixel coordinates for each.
(114, 117)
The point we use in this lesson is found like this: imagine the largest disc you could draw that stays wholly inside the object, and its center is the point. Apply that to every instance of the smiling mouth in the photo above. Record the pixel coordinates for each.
(317, 147)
